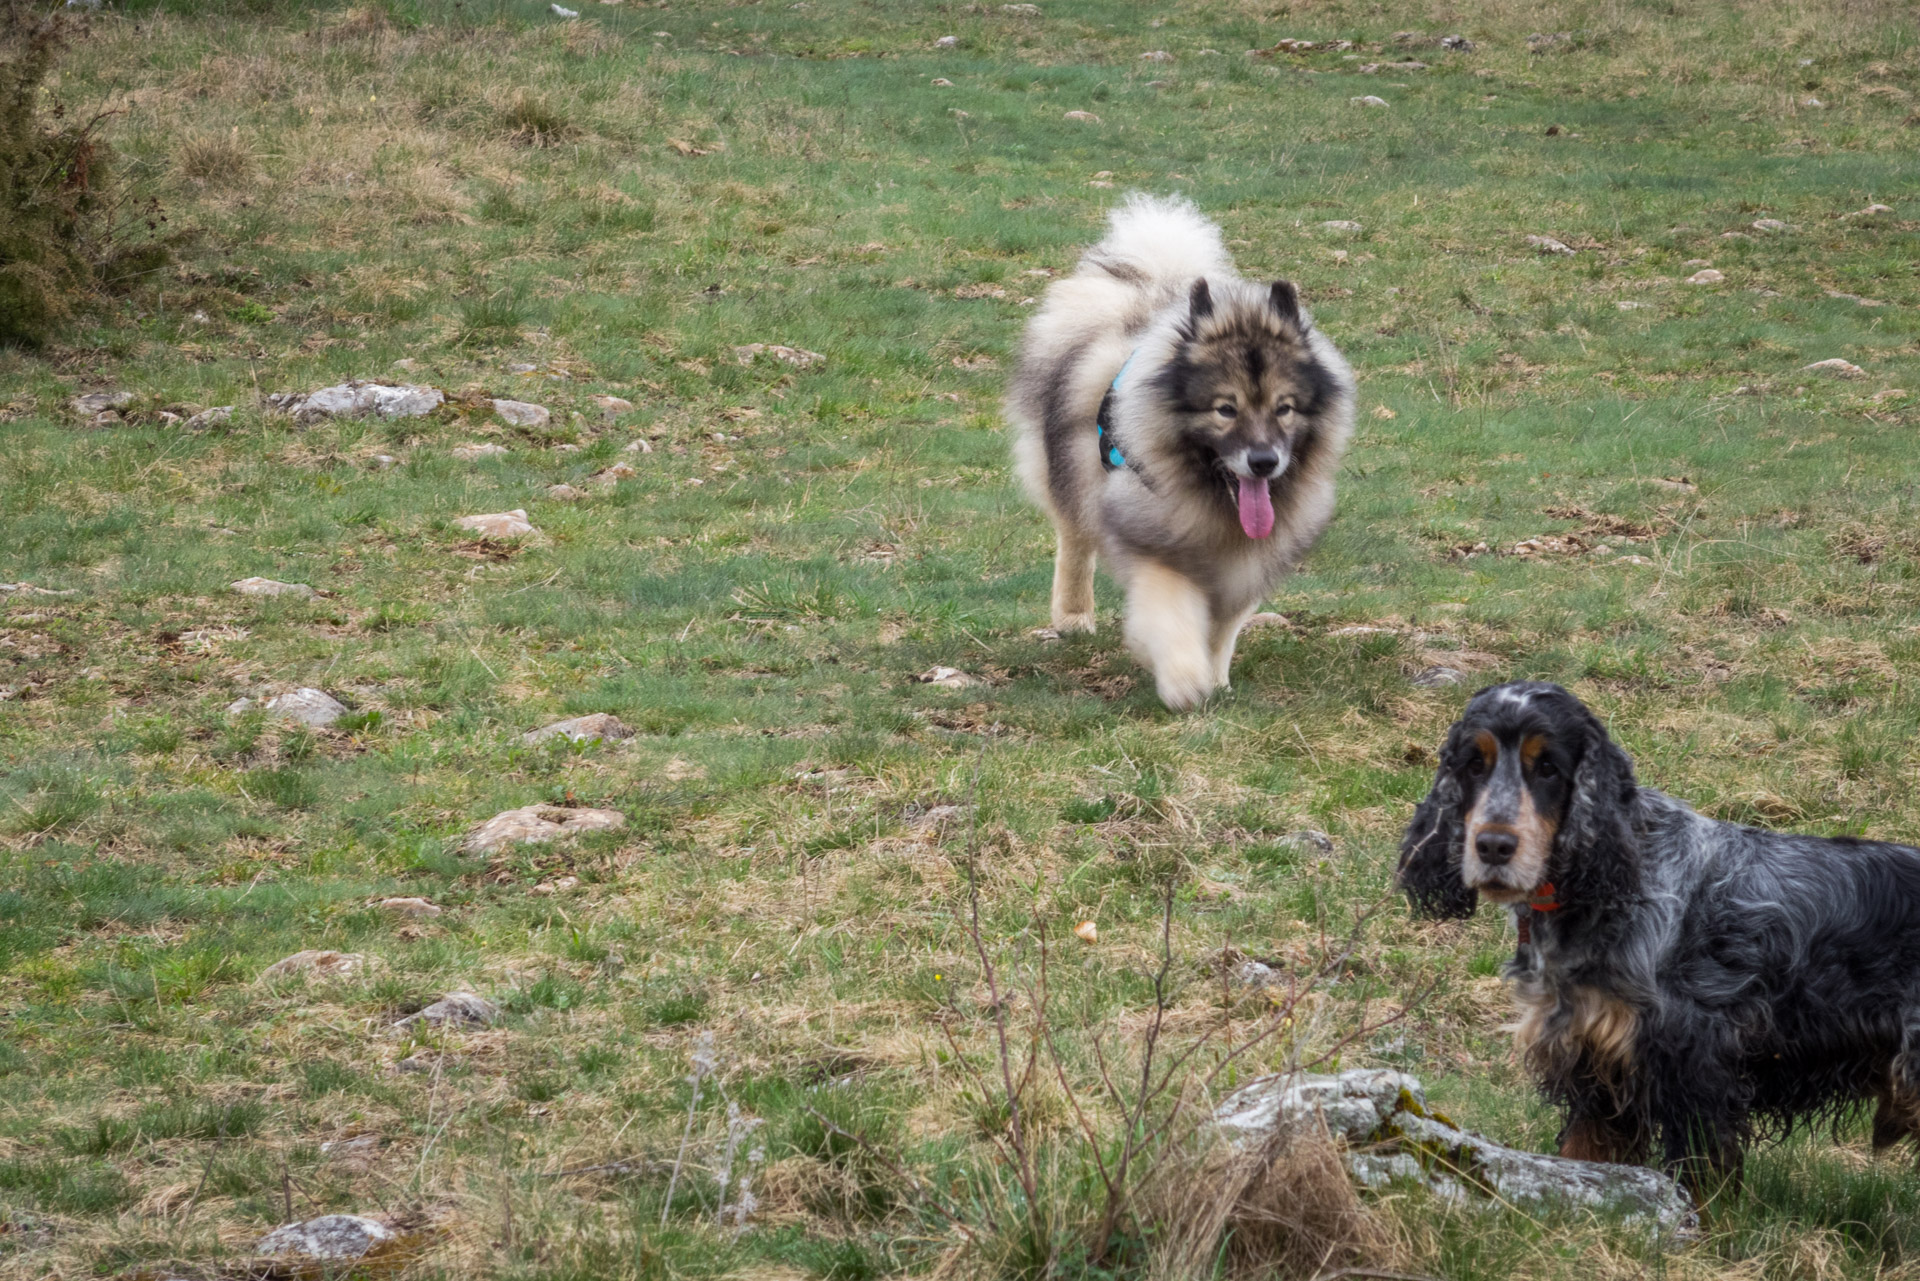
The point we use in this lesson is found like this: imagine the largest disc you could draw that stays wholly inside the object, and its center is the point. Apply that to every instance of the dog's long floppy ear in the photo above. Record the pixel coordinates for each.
(1596, 858)
(1200, 300)
(1432, 851)
(1285, 301)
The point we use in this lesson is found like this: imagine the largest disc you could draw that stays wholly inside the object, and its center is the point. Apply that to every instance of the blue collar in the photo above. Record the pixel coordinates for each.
(1111, 458)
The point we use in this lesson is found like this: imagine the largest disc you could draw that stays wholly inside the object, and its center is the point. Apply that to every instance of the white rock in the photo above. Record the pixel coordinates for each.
(799, 357)
(210, 417)
(1021, 10)
(1382, 1120)
(409, 906)
(946, 42)
(613, 406)
(1368, 100)
(1813, 102)
(949, 677)
(359, 1146)
(312, 707)
(270, 587)
(1869, 212)
(1087, 116)
(329, 1237)
(359, 400)
(1706, 276)
(1156, 55)
(522, 414)
(471, 450)
(941, 82)
(1770, 224)
(581, 729)
(565, 493)
(406, 364)
(1257, 621)
(1341, 224)
(97, 402)
(1438, 677)
(383, 461)
(538, 824)
(460, 1009)
(640, 446)
(317, 964)
(559, 12)
(615, 474)
(1548, 245)
(1630, 306)
(513, 524)
(1836, 366)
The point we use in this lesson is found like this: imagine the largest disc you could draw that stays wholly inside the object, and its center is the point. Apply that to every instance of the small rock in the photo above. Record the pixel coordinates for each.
(1459, 44)
(210, 418)
(1869, 212)
(1257, 621)
(1631, 560)
(1362, 629)
(1770, 224)
(409, 906)
(1706, 277)
(946, 42)
(1813, 102)
(521, 414)
(1308, 838)
(1087, 932)
(1679, 484)
(1341, 224)
(1548, 245)
(1021, 10)
(1696, 262)
(523, 368)
(1437, 677)
(538, 824)
(616, 473)
(329, 1237)
(640, 446)
(359, 1147)
(949, 677)
(566, 447)
(1156, 55)
(941, 82)
(1384, 413)
(406, 364)
(613, 406)
(1891, 393)
(1368, 100)
(359, 400)
(1087, 116)
(471, 450)
(560, 12)
(937, 817)
(513, 524)
(581, 729)
(1044, 634)
(270, 587)
(1630, 306)
(98, 402)
(560, 886)
(455, 1009)
(565, 493)
(418, 1061)
(1854, 298)
(312, 707)
(317, 965)
(383, 461)
(1836, 366)
(1361, 1105)
(798, 357)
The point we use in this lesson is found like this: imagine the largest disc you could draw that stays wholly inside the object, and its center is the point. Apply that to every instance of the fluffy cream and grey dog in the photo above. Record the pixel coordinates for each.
(1185, 425)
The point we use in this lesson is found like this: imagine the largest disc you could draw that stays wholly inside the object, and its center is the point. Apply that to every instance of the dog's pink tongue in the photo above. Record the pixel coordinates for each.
(1256, 506)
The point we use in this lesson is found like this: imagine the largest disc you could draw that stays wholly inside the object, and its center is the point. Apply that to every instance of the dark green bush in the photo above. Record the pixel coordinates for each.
(58, 241)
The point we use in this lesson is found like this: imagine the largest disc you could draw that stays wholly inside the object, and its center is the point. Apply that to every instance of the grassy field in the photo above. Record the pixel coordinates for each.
(1725, 561)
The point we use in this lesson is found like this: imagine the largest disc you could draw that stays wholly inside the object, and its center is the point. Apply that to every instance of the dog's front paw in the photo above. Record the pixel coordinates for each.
(1184, 686)
(1066, 624)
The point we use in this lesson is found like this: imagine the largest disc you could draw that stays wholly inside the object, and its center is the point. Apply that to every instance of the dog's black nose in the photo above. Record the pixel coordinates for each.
(1495, 848)
(1263, 462)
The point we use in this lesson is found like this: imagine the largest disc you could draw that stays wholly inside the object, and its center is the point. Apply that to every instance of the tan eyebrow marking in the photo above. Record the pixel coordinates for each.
(1489, 748)
(1531, 748)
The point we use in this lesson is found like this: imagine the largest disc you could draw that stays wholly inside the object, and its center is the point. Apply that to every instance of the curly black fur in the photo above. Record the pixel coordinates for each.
(1768, 979)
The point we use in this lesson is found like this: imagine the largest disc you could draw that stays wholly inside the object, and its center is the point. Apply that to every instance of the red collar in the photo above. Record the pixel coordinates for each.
(1543, 899)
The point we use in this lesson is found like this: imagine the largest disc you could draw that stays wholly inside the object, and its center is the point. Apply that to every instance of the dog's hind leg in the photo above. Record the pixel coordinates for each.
(1169, 628)
(1898, 1116)
(1072, 580)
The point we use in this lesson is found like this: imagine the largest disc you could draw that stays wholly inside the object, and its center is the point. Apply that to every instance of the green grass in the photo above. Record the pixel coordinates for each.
(549, 211)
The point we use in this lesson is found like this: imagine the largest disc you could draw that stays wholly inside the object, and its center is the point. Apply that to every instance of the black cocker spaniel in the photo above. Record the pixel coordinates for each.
(1683, 981)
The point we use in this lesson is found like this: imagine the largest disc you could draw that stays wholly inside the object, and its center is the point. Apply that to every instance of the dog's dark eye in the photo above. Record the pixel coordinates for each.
(1545, 769)
(1476, 765)
(1283, 408)
(1226, 410)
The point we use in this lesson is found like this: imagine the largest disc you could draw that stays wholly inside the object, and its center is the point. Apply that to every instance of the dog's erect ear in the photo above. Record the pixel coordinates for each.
(1285, 300)
(1200, 300)
(1431, 853)
(1596, 858)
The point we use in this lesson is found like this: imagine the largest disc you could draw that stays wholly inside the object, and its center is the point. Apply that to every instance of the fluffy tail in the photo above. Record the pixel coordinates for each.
(1159, 240)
